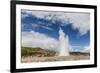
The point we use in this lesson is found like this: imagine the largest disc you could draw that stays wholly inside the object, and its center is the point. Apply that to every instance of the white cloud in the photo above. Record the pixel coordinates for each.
(24, 15)
(86, 49)
(36, 39)
(37, 26)
(39, 14)
(80, 21)
(45, 27)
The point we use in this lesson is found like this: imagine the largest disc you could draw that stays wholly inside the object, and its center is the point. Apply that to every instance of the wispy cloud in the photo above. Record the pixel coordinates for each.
(80, 21)
(86, 49)
(37, 26)
(45, 27)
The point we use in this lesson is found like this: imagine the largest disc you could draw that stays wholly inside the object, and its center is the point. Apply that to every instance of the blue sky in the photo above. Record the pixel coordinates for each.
(75, 25)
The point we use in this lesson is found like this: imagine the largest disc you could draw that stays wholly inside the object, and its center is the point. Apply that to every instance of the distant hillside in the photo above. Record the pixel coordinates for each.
(79, 53)
(36, 52)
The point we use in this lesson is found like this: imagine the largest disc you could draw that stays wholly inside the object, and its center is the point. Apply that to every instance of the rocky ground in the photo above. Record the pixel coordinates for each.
(55, 58)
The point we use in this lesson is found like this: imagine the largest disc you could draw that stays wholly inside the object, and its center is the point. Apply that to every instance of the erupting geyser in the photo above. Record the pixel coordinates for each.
(63, 44)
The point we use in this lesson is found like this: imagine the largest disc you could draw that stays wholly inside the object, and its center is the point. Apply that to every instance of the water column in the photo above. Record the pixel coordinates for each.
(63, 44)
